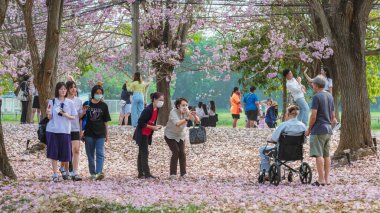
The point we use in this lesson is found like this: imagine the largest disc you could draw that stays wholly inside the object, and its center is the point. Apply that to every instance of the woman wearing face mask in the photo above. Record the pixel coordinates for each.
(96, 131)
(175, 133)
(60, 111)
(146, 125)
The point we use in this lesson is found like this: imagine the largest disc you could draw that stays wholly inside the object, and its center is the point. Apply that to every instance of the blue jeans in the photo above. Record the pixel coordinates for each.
(137, 107)
(304, 111)
(264, 160)
(92, 145)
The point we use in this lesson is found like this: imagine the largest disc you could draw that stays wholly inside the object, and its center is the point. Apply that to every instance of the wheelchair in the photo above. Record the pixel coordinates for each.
(290, 149)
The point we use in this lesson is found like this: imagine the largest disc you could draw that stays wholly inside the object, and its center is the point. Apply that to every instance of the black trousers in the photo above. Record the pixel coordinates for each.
(178, 153)
(24, 111)
(142, 158)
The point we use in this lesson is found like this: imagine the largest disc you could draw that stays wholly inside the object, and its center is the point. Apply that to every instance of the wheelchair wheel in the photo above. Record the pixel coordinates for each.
(274, 175)
(290, 177)
(305, 173)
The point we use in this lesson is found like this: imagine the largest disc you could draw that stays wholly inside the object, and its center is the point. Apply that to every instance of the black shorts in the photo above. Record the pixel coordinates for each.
(36, 103)
(236, 116)
(252, 114)
(75, 136)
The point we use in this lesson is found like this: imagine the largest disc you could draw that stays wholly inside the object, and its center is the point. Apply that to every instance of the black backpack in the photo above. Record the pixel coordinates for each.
(41, 132)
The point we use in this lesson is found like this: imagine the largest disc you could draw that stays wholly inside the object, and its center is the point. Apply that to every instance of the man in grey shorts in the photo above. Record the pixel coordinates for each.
(322, 116)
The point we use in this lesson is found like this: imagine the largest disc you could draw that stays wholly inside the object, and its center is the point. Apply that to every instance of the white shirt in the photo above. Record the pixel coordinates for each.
(328, 84)
(75, 126)
(60, 124)
(295, 89)
(176, 132)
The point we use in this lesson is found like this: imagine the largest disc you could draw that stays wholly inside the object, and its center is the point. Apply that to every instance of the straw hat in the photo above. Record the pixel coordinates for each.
(274, 103)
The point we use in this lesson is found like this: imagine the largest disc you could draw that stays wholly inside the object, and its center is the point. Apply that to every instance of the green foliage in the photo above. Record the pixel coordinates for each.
(6, 84)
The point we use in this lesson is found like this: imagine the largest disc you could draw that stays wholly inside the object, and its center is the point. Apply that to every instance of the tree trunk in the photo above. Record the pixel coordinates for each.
(29, 114)
(5, 167)
(3, 10)
(284, 99)
(344, 23)
(45, 70)
(163, 80)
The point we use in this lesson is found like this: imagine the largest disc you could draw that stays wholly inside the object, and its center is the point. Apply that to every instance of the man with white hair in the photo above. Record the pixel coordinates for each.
(291, 127)
(320, 127)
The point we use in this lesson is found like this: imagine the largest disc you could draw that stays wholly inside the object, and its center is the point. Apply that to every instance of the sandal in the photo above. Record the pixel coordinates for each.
(76, 178)
(316, 183)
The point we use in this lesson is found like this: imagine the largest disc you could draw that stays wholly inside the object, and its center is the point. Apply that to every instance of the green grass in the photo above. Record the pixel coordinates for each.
(225, 119)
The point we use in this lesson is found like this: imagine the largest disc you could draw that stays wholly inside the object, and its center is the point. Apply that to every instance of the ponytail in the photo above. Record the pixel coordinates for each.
(155, 95)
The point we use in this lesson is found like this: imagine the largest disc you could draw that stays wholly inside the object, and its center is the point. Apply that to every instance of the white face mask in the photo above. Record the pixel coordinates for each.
(184, 108)
(160, 104)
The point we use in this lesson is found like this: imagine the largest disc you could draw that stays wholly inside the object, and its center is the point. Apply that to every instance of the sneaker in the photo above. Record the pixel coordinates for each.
(93, 177)
(76, 177)
(55, 178)
(100, 176)
(140, 176)
(65, 175)
(173, 177)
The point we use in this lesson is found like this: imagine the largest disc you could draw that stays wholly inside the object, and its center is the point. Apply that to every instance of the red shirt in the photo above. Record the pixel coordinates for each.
(146, 131)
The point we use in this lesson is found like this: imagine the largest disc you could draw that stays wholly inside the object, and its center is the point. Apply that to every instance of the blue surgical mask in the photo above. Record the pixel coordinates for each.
(98, 97)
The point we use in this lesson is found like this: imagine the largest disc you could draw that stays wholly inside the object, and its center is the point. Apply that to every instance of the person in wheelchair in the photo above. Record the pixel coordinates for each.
(291, 127)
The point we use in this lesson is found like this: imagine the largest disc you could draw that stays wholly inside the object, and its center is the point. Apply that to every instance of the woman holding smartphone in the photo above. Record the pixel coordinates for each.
(61, 111)
(146, 125)
(175, 134)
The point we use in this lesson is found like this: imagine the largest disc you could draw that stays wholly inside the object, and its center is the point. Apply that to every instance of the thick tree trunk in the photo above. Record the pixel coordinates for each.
(163, 85)
(344, 23)
(350, 62)
(5, 167)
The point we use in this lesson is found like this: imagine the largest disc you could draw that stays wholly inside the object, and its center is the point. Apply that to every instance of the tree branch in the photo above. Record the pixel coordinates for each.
(372, 52)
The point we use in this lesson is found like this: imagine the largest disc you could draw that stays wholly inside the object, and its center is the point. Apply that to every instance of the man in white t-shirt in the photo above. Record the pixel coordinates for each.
(297, 90)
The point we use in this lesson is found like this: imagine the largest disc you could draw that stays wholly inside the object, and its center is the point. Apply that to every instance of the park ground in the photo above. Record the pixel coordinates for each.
(221, 177)
(225, 120)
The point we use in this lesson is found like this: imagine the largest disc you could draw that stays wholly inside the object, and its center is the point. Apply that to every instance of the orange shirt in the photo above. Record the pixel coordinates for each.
(235, 104)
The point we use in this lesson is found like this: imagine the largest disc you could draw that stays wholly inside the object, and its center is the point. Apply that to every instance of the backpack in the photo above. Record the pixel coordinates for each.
(41, 132)
(85, 117)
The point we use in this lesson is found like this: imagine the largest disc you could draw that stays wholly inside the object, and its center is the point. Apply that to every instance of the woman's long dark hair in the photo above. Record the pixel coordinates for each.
(204, 107)
(327, 71)
(212, 106)
(155, 96)
(200, 104)
(137, 77)
(235, 90)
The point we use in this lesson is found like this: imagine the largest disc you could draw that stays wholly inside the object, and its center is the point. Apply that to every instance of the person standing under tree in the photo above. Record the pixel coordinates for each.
(325, 71)
(138, 87)
(320, 128)
(144, 132)
(125, 105)
(235, 106)
(60, 112)
(23, 96)
(297, 90)
(96, 131)
(251, 107)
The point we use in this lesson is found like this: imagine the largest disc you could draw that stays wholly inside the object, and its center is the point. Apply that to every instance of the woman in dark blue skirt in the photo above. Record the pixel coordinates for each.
(60, 111)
